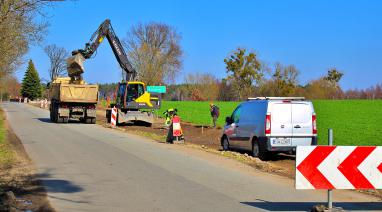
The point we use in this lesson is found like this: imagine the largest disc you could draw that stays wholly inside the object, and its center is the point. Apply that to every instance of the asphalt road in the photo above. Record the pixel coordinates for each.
(91, 168)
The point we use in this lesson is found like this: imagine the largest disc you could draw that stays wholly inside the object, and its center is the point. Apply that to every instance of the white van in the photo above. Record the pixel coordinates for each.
(266, 125)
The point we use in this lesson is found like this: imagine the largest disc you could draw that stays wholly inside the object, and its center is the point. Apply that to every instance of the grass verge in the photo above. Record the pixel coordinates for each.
(7, 156)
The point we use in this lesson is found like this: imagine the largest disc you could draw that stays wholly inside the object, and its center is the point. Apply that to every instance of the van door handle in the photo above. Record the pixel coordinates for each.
(297, 126)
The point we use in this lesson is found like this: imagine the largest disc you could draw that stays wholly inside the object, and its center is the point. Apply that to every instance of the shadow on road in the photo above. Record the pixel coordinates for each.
(47, 120)
(57, 185)
(307, 206)
(60, 186)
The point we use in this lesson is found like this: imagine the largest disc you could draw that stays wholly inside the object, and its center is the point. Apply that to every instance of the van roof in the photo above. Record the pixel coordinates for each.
(275, 98)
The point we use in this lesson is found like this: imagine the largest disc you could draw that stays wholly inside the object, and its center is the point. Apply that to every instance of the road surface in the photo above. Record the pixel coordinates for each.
(91, 168)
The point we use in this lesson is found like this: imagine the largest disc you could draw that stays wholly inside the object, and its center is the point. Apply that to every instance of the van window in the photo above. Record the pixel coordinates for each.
(236, 115)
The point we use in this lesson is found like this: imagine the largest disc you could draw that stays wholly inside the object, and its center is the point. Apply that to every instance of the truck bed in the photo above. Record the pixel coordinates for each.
(74, 93)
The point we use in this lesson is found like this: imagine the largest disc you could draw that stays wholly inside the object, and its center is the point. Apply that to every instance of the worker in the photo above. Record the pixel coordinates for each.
(169, 113)
(214, 113)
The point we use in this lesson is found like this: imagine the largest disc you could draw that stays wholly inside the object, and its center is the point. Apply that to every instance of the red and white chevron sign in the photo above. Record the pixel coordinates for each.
(338, 167)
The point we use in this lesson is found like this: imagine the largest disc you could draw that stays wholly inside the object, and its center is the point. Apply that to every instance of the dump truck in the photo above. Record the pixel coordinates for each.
(72, 100)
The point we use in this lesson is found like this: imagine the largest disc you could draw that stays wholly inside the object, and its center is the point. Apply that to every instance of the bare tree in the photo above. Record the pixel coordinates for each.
(57, 56)
(154, 51)
(22, 23)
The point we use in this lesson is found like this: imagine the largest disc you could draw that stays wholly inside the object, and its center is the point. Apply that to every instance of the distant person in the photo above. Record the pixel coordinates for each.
(214, 113)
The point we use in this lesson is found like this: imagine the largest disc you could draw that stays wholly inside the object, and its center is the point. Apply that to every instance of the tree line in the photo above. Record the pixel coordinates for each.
(248, 77)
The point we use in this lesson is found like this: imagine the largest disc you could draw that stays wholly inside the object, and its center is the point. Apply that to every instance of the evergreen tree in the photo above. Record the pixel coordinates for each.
(31, 86)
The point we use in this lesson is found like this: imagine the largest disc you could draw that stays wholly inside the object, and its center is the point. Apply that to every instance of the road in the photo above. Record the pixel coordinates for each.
(92, 168)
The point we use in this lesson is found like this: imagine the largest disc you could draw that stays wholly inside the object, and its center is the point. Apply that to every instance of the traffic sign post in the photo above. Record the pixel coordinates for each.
(330, 191)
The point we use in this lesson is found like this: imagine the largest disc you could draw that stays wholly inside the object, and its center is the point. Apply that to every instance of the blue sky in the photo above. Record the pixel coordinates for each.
(312, 35)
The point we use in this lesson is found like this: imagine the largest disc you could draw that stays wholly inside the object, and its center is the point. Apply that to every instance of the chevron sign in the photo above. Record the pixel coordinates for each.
(338, 167)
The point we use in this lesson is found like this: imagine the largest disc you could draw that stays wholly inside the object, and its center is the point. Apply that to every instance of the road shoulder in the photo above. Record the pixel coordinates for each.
(20, 189)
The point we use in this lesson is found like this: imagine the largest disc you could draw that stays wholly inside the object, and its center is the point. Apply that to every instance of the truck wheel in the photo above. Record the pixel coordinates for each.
(55, 115)
(50, 115)
(89, 120)
(94, 120)
(65, 120)
(60, 119)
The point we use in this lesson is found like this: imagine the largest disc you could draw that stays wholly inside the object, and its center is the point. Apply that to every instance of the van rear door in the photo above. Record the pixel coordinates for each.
(302, 127)
(281, 119)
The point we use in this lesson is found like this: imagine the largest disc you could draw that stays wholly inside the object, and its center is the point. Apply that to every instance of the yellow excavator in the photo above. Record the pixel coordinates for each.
(132, 100)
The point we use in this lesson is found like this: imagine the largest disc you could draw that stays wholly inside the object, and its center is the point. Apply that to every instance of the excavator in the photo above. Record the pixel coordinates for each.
(132, 100)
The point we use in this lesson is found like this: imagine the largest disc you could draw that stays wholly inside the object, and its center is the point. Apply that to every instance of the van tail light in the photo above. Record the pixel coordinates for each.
(314, 124)
(268, 124)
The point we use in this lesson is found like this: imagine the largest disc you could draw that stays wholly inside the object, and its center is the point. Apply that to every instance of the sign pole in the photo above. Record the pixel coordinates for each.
(330, 191)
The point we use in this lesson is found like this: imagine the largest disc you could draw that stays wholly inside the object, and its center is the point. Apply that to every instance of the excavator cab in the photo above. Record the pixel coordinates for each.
(133, 95)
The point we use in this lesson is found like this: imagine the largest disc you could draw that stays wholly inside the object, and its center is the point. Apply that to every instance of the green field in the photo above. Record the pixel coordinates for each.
(354, 122)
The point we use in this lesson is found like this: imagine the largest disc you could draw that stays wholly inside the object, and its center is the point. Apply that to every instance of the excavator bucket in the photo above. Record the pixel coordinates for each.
(75, 65)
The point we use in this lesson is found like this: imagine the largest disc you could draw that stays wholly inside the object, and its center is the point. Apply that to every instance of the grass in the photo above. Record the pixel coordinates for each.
(354, 122)
(199, 112)
(6, 153)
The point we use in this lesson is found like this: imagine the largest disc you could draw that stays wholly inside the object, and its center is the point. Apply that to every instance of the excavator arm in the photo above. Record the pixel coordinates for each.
(75, 63)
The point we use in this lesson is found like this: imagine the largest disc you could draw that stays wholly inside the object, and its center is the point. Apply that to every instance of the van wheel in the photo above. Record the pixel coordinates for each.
(255, 148)
(259, 151)
(225, 143)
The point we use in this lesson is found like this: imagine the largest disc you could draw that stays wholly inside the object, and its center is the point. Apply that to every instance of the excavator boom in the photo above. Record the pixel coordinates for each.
(75, 63)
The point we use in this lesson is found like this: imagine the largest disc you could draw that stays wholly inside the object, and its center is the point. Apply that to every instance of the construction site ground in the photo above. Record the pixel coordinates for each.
(208, 139)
